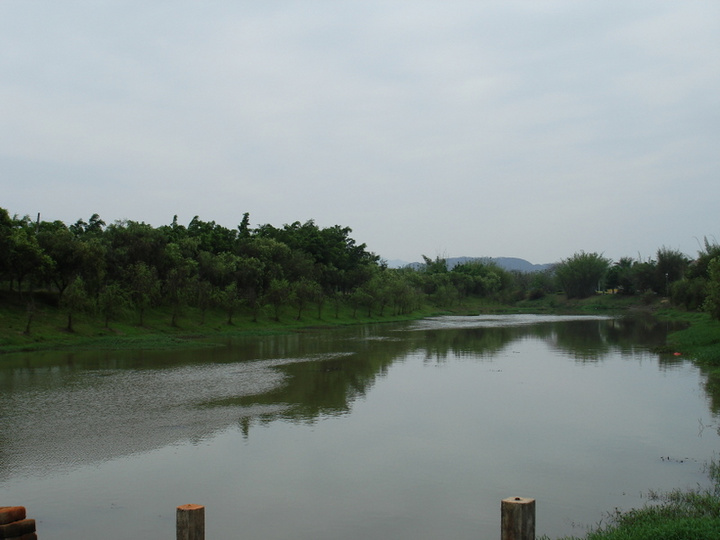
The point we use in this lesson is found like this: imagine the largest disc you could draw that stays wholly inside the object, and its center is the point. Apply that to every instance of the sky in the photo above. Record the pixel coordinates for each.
(532, 129)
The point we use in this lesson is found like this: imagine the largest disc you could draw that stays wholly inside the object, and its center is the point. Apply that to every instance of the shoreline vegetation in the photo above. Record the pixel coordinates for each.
(45, 327)
(92, 283)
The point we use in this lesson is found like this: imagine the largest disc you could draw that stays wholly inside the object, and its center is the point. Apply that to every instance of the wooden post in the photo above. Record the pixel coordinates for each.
(190, 522)
(14, 525)
(518, 519)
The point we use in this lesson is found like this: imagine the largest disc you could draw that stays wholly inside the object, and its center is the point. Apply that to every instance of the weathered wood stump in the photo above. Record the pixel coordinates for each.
(518, 519)
(14, 524)
(190, 522)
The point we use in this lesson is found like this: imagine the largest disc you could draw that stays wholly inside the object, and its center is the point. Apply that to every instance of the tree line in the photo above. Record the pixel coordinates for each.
(691, 283)
(129, 266)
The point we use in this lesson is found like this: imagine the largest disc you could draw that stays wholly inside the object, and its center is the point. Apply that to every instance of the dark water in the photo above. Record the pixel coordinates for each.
(404, 431)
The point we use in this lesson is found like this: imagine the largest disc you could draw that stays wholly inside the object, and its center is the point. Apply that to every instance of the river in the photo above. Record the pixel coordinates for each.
(406, 430)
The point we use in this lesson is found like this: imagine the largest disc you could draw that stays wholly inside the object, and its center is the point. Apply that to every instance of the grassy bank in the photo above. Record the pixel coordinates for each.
(46, 326)
(700, 341)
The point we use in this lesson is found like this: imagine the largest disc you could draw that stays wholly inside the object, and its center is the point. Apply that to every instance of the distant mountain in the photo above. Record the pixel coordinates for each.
(508, 263)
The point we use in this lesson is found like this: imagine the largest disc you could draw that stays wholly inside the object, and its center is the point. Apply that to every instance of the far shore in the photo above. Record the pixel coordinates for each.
(46, 327)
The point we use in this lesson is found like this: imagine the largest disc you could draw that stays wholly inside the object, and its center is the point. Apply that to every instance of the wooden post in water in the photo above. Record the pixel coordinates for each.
(190, 522)
(518, 519)
(14, 523)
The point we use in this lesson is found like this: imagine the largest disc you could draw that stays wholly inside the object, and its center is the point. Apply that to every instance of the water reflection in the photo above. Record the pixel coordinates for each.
(585, 338)
(63, 410)
(711, 386)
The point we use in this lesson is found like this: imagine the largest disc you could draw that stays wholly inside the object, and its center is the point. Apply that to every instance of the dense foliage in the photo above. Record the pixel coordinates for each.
(580, 275)
(130, 266)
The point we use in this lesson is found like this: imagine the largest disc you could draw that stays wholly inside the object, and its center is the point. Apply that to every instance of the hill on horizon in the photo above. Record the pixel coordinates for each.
(507, 263)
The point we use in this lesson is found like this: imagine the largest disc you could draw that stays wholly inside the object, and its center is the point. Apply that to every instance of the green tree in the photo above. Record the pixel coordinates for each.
(273, 256)
(67, 252)
(218, 269)
(180, 276)
(534, 285)
(144, 287)
(581, 274)
(174, 232)
(129, 243)
(670, 267)
(320, 298)
(699, 267)
(339, 261)
(75, 300)
(244, 227)
(692, 290)
(94, 226)
(437, 266)
(30, 310)
(211, 236)
(380, 284)
(6, 233)
(249, 278)
(112, 302)
(278, 295)
(644, 276)
(690, 293)
(464, 283)
(229, 300)
(26, 258)
(480, 278)
(94, 270)
(445, 293)
(303, 292)
(620, 276)
(362, 297)
(202, 297)
(712, 301)
(404, 295)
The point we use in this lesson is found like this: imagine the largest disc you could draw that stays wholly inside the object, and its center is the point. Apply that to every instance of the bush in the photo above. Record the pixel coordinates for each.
(536, 294)
(581, 274)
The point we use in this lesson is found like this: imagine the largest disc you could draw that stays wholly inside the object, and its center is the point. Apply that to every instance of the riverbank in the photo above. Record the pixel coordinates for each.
(45, 327)
(700, 341)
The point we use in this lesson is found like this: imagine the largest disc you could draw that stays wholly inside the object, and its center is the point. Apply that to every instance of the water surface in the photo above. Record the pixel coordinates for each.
(413, 430)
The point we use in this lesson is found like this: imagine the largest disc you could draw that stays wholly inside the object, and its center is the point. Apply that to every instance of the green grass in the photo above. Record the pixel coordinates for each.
(48, 327)
(700, 341)
(601, 303)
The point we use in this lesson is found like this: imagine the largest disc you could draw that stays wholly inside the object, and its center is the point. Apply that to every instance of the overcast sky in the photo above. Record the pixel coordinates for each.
(526, 129)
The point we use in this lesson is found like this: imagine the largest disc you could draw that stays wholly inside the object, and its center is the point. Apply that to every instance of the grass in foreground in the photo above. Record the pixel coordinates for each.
(677, 515)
